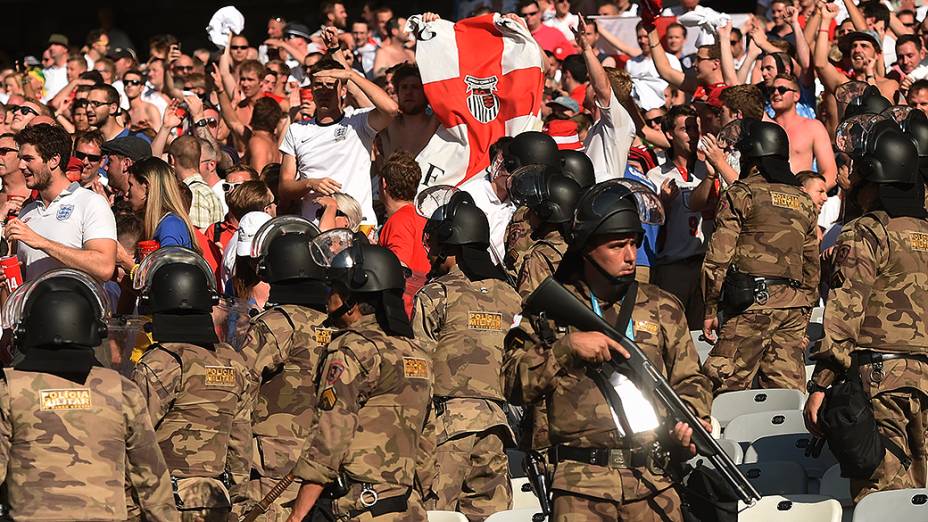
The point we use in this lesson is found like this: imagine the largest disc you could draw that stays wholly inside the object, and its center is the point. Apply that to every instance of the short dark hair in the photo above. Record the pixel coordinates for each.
(112, 95)
(186, 151)
(92, 136)
(787, 77)
(136, 72)
(403, 71)
(327, 63)
(917, 85)
(807, 175)
(360, 21)
(675, 112)
(737, 32)
(525, 3)
(266, 115)
(93, 36)
(92, 75)
(576, 66)
(49, 140)
(401, 175)
(748, 99)
(675, 25)
(909, 38)
(875, 9)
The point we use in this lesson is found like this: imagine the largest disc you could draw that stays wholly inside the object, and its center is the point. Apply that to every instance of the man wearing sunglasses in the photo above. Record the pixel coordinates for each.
(808, 139)
(142, 115)
(547, 37)
(25, 112)
(14, 184)
(238, 49)
(88, 149)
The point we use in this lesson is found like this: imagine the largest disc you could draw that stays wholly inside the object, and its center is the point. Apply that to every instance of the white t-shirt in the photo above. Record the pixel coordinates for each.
(56, 78)
(154, 97)
(341, 151)
(221, 194)
(686, 231)
(647, 85)
(564, 25)
(609, 139)
(76, 216)
(499, 214)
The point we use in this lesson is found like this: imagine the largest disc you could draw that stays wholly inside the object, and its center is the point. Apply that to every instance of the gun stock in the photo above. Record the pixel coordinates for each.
(538, 479)
(561, 306)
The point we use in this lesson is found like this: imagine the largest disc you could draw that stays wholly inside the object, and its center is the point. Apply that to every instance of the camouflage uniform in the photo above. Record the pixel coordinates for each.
(462, 325)
(283, 350)
(579, 416)
(517, 241)
(87, 439)
(375, 391)
(541, 261)
(767, 230)
(879, 302)
(200, 402)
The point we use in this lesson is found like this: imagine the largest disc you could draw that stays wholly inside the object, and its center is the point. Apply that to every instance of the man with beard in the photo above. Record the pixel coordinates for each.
(103, 103)
(67, 225)
(864, 51)
(412, 129)
(809, 140)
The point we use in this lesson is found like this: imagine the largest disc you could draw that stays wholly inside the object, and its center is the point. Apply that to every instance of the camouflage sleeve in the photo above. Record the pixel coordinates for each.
(530, 367)
(146, 469)
(426, 469)
(158, 376)
(239, 458)
(345, 378)
(6, 428)
(811, 262)
(428, 315)
(859, 252)
(535, 269)
(734, 205)
(261, 349)
(682, 360)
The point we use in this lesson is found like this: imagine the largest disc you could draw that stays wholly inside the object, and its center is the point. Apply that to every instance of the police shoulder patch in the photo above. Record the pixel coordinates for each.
(415, 368)
(322, 335)
(65, 399)
(484, 321)
(918, 241)
(783, 200)
(327, 399)
(220, 376)
(336, 369)
(646, 326)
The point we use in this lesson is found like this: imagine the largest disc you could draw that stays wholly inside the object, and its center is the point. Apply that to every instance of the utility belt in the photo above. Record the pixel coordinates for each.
(741, 290)
(225, 478)
(651, 457)
(370, 501)
(876, 360)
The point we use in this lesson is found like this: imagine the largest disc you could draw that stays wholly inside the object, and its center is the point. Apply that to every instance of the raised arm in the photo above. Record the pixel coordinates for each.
(385, 109)
(225, 69)
(685, 82)
(729, 75)
(228, 112)
(595, 71)
(803, 54)
(827, 72)
(168, 123)
(856, 16)
(615, 41)
(752, 53)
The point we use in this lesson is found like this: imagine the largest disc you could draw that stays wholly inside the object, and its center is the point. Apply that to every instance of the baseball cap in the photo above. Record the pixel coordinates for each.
(59, 39)
(297, 30)
(120, 53)
(564, 133)
(566, 102)
(712, 97)
(563, 52)
(132, 147)
(844, 43)
(30, 61)
(247, 228)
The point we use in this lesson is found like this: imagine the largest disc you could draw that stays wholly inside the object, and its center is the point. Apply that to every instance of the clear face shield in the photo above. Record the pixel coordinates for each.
(603, 197)
(852, 133)
(12, 313)
(169, 256)
(527, 186)
(432, 204)
(847, 92)
(277, 227)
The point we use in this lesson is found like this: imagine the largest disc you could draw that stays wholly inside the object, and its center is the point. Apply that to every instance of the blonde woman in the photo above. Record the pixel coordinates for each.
(155, 195)
(338, 211)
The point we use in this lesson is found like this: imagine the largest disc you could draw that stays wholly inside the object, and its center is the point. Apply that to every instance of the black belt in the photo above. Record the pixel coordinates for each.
(397, 504)
(865, 357)
(612, 458)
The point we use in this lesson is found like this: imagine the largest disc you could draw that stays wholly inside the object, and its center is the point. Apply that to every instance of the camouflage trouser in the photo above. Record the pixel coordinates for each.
(767, 343)
(206, 515)
(681, 278)
(662, 507)
(257, 489)
(902, 417)
(472, 475)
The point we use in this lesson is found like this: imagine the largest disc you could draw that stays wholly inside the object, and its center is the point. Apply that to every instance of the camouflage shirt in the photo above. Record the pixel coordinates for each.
(578, 414)
(373, 395)
(284, 349)
(517, 241)
(764, 229)
(69, 449)
(462, 324)
(541, 261)
(879, 292)
(200, 404)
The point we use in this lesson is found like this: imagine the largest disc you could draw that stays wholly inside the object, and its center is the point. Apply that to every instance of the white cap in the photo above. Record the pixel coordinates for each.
(247, 228)
(314, 48)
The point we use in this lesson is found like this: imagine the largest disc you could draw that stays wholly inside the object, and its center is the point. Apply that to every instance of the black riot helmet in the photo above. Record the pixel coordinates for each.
(282, 248)
(456, 222)
(531, 148)
(577, 166)
(891, 156)
(546, 192)
(64, 308)
(761, 139)
(870, 102)
(915, 125)
(176, 280)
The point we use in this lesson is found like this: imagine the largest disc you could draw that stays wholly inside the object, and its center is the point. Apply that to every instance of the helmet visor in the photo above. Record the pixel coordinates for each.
(12, 312)
(897, 113)
(527, 186)
(498, 166)
(851, 135)
(846, 92)
(327, 245)
(650, 208)
(730, 135)
(433, 198)
(169, 256)
(278, 227)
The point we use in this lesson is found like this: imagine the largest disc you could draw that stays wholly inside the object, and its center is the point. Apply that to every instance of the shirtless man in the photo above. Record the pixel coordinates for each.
(865, 53)
(392, 51)
(412, 129)
(808, 138)
(142, 115)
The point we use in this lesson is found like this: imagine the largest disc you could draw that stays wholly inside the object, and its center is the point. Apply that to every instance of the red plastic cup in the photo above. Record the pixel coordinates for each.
(306, 94)
(146, 247)
(12, 271)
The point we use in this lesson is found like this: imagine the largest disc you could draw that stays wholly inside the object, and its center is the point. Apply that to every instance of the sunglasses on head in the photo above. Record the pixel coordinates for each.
(89, 157)
(227, 187)
(782, 89)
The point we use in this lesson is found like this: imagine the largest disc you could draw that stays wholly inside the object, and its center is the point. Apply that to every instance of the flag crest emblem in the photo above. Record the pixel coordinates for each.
(481, 98)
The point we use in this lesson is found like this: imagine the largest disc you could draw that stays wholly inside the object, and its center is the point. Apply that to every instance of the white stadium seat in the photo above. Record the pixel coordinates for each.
(513, 515)
(752, 426)
(776, 477)
(727, 406)
(522, 496)
(703, 347)
(901, 504)
(732, 448)
(833, 485)
(446, 516)
(791, 447)
(792, 508)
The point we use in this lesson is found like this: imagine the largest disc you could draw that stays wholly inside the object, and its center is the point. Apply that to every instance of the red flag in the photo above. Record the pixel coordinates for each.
(483, 77)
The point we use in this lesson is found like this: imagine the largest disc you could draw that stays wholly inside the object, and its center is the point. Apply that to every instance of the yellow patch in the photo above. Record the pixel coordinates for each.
(918, 241)
(646, 326)
(484, 321)
(323, 335)
(67, 399)
(327, 399)
(414, 368)
(220, 376)
(780, 199)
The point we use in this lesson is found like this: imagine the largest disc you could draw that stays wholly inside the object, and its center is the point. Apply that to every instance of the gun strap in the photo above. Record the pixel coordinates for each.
(601, 377)
(628, 306)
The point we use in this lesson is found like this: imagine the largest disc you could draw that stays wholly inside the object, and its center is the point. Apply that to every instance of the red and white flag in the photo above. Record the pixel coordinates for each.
(483, 77)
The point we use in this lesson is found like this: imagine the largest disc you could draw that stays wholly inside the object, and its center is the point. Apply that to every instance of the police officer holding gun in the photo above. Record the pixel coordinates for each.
(605, 469)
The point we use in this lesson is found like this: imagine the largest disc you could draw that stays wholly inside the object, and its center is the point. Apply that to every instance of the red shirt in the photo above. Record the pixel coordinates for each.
(579, 94)
(402, 234)
(550, 38)
(210, 252)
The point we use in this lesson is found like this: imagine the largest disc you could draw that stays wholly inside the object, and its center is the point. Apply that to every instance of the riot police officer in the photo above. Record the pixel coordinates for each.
(374, 391)
(461, 317)
(761, 270)
(70, 430)
(283, 349)
(198, 389)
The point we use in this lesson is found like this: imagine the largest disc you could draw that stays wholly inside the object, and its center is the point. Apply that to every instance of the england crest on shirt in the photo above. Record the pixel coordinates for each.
(481, 98)
(341, 132)
(64, 212)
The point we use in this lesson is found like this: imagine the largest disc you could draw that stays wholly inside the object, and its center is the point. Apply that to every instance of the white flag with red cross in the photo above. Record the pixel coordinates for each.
(483, 77)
